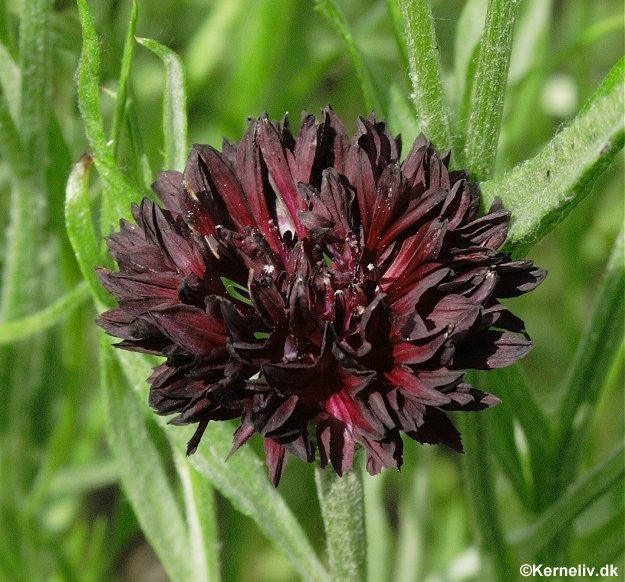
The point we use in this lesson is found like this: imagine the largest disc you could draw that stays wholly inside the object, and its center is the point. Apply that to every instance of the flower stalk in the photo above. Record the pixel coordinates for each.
(342, 508)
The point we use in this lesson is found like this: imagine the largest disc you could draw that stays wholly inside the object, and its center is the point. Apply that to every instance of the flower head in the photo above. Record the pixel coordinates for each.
(319, 290)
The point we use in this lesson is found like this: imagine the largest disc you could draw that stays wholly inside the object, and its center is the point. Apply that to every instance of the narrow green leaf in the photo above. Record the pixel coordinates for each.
(174, 105)
(342, 510)
(596, 351)
(241, 479)
(466, 48)
(35, 65)
(468, 34)
(56, 449)
(11, 148)
(119, 193)
(124, 76)
(480, 482)
(80, 230)
(489, 88)
(11, 82)
(202, 527)
(21, 289)
(413, 506)
(332, 11)
(379, 532)
(212, 39)
(507, 453)
(425, 72)
(394, 11)
(532, 27)
(401, 115)
(18, 329)
(142, 472)
(78, 479)
(542, 191)
(602, 477)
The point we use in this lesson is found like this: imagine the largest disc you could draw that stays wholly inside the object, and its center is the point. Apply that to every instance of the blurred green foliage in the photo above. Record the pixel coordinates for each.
(62, 513)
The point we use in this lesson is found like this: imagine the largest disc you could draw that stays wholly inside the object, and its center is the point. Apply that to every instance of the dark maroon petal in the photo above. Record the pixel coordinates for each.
(490, 349)
(402, 377)
(279, 174)
(223, 181)
(518, 277)
(465, 397)
(190, 327)
(455, 312)
(267, 300)
(241, 436)
(305, 148)
(391, 200)
(422, 350)
(130, 286)
(253, 176)
(194, 441)
(360, 175)
(383, 454)
(336, 445)
(437, 429)
(275, 457)
(168, 187)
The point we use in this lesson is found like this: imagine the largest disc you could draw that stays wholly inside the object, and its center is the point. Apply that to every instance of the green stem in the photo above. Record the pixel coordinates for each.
(480, 479)
(342, 509)
(490, 87)
(425, 72)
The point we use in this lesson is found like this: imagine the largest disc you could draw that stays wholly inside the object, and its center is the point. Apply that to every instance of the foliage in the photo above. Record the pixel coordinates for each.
(86, 475)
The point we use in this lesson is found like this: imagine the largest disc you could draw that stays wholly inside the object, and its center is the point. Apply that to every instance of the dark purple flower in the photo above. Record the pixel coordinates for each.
(318, 289)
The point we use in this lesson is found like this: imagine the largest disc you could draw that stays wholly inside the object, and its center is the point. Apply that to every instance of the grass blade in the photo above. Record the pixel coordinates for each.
(425, 72)
(174, 106)
(542, 191)
(489, 88)
(24, 327)
(142, 472)
(124, 76)
(332, 11)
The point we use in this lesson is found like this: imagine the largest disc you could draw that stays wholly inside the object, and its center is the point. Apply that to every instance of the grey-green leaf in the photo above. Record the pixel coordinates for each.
(543, 190)
(23, 327)
(174, 105)
(119, 193)
(142, 471)
(80, 229)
